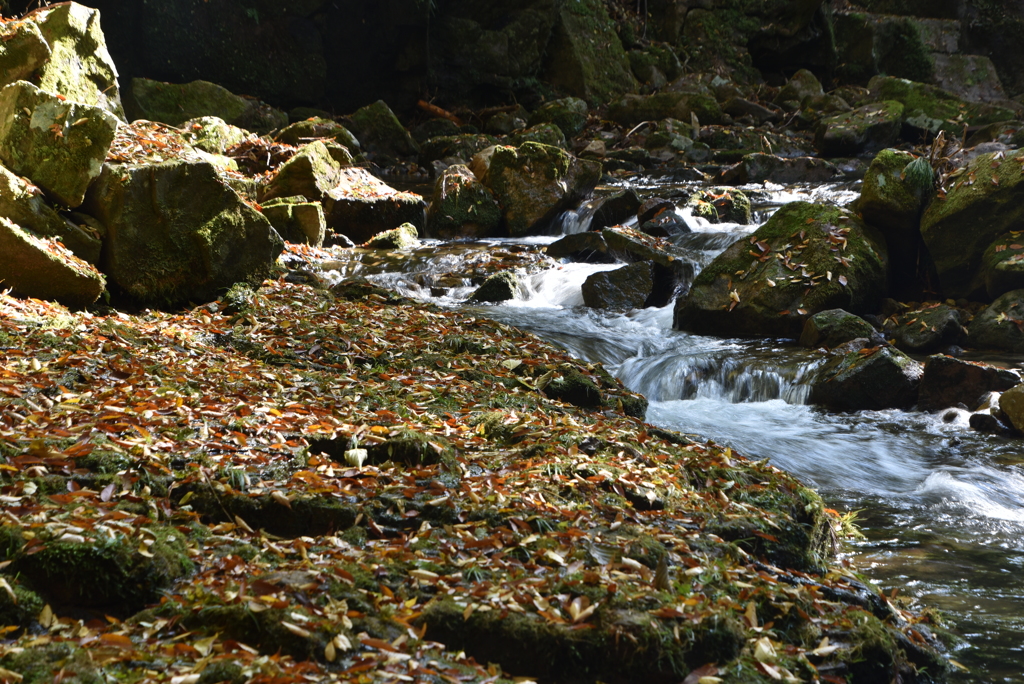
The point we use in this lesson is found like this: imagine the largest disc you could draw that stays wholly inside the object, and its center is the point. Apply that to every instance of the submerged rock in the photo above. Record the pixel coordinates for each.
(57, 144)
(807, 258)
(873, 378)
(589, 247)
(948, 381)
(462, 207)
(32, 266)
(615, 209)
(176, 233)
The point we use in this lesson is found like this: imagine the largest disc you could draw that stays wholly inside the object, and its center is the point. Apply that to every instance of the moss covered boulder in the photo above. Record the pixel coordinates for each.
(621, 289)
(500, 287)
(948, 381)
(22, 50)
(296, 219)
(534, 183)
(360, 205)
(462, 146)
(317, 128)
(177, 234)
(585, 56)
(801, 85)
(404, 236)
(379, 130)
(311, 173)
(632, 110)
(807, 258)
(1000, 326)
(57, 144)
(24, 204)
(867, 129)
(983, 204)
(927, 329)
(32, 266)
(174, 104)
(568, 113)
(758, 168)
(873, 378)
(832, 328)
(80, 67)
(212, 134)
(462, 207)
(717, 205)
(1002, 267)
(544, 133)
(929, 108)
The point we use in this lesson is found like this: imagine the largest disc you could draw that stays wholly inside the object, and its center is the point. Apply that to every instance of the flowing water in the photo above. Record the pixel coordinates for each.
(941, 506)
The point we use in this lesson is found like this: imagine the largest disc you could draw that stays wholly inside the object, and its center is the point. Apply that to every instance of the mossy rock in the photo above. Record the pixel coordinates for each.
(359, 206)
(832, 328)
(311, 173)
(296, 220)
(718, 205)
(1002, 267)
(632, 110)
(34, 267)
(212, 134)
(926, 330)
(404, 236)
(758, 168)
(317, 128)
(543, 133)
(622, 289)
(435, 128)
(880, 379)
(410, 448)
(43, 664)
(461, 145)
(174, 104)
(892, 196)
(568, 113)
(864, 130)
(500, 287)
(807, 258)
(998, 326)
(23, 49)
(801, 85)
(462, 207)
(984, 203)
(380, 131)
(929, 108)
(22, 609)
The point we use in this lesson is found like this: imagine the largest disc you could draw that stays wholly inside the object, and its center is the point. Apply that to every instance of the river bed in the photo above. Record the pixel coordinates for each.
(941, 506)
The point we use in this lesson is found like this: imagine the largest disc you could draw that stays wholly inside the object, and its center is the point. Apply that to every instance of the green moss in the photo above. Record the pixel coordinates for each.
(45, 664)
(21, 610)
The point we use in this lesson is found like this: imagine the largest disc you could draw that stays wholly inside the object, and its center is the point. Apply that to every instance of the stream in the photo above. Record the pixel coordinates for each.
(941, 506)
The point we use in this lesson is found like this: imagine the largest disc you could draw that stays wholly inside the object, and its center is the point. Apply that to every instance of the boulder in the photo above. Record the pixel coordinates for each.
(212, 134)
(58, 144)
(633, 110)
(359, 206)
(544, 133)
(534, 183)
(174, 104)
(653, 207)
(624, 288)
(380, 131)
(673, 271)
(807, 258)
(500, 287)
(1002, 265)
(22, 50)
(971, 77)
(873, 378)
(404, 236)
(462, 207)
(893, 194)
(718, 205)
(615, 209)
(568, 113)
(24, 204)
(985, 203)
(931, 109)
(1000, 326)
(176, 234)
(832, 328)
(948, 382)
(80, 67)
(296, 219)
(868, 44)
(740, 108)
(311, 173)
(926, 330)
(758, 168)
(462, 146)
(801, 85)
(317, 128)
(31, 266)
(587, 247)
(585, 57)
(865, 130)
(1012, 405)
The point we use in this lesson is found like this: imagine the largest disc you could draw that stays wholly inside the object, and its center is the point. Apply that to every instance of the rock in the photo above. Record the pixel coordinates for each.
(926, 330)
(739, 108)
(57, 144)
(892, 196)
(1001, 325)
(435, 128)
(174, 104)
(534, 183)
(80, 67)
(801, 85)
(317, 128)
(588, 248)
(673, 272)
(655, 64)
(1002, 265)
(1012, 404)
(615, 209)
(462, 207)
(971, 77)
(568, 113)
(931, 109)
(807, 258)
(296, 219)
(875, 378)
(986, 422)
(869, 44)
(758, 168)
(22, 50)
(359, 206)
(585, 57)
(721, 205)
(380, 131)
(212, 134)
(24, 204)
(177, 234)
(500, 287)
(404, 236)
(311, 173)
(865, 130)
(947, 382)
(463, 146)
(507, 122)
(834, 327)
(652, 207)
(985, 203)
(573, 387)
(633, 110)
(622, 289)
(544, 133)
(31, 266)
(666, 224)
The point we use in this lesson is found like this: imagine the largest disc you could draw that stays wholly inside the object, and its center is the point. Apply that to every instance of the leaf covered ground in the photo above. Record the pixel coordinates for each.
(304, 484)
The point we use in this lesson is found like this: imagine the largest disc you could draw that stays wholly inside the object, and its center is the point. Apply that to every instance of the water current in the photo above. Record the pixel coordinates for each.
(941, 507)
